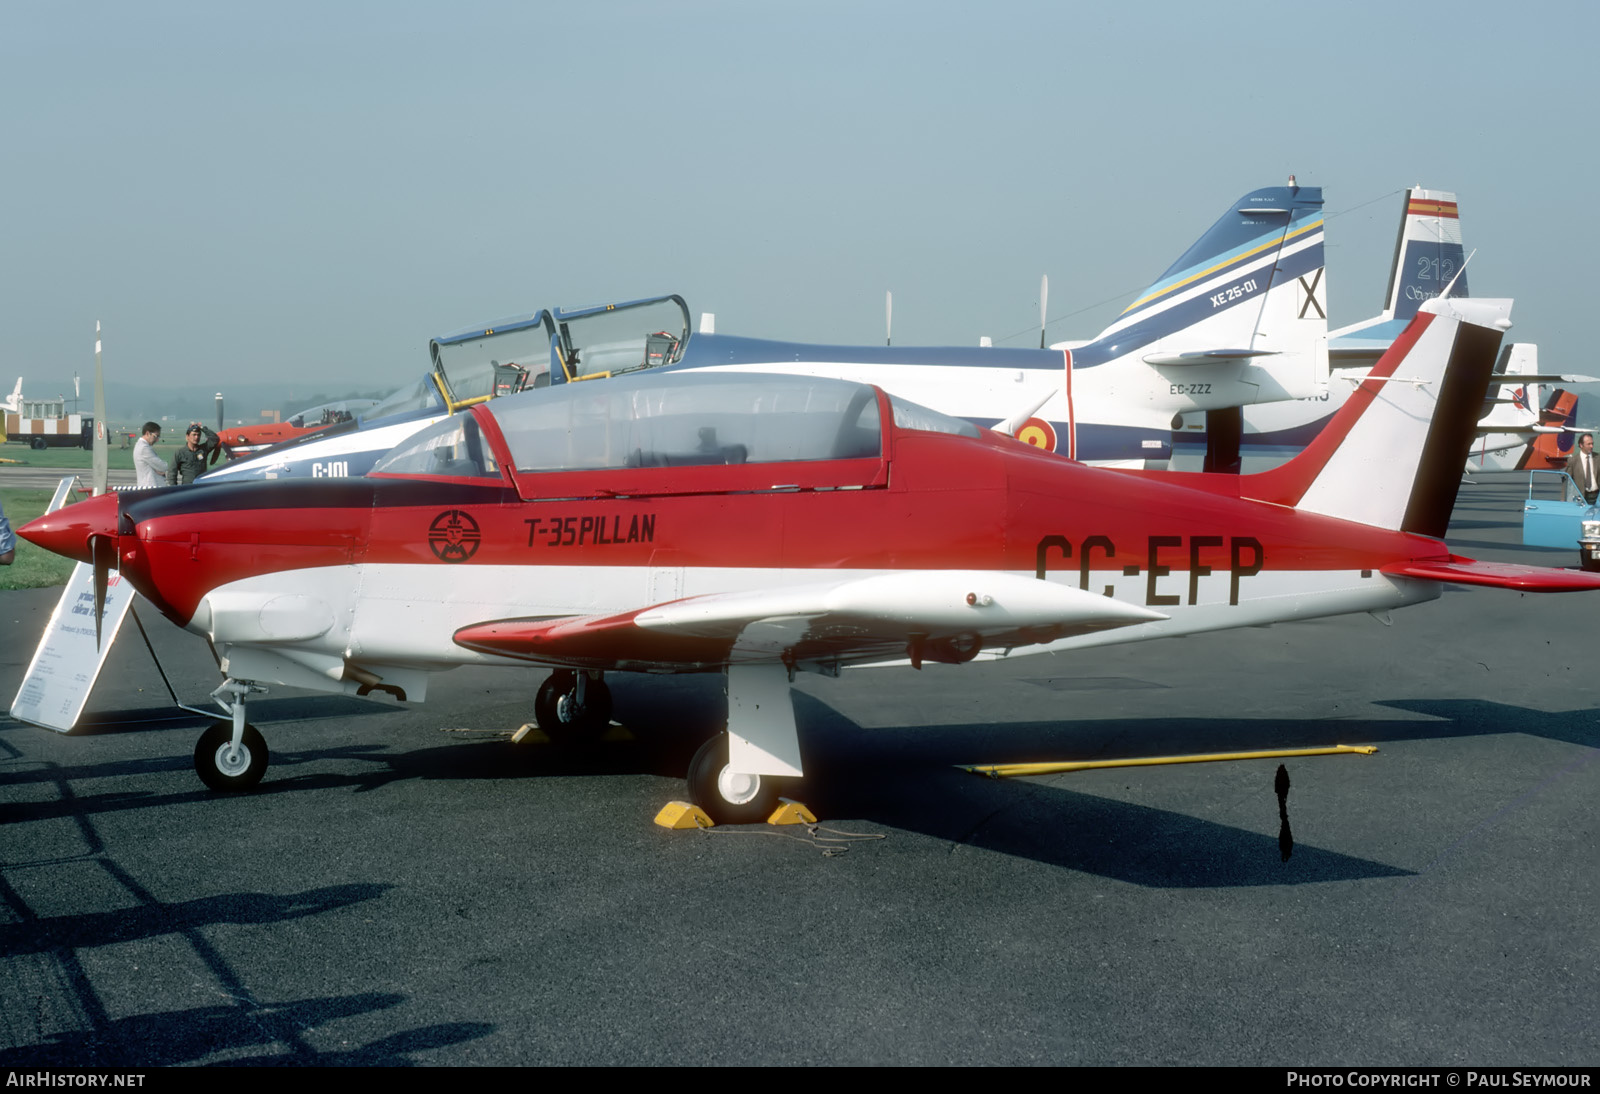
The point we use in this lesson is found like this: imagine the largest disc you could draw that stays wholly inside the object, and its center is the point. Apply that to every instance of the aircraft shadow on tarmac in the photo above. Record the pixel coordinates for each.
(139, 719)
(906, 777)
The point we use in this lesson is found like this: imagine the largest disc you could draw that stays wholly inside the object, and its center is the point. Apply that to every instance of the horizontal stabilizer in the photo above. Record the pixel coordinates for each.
(1206, 356)
(939, 615)
(1546, 378)
(1496, 575)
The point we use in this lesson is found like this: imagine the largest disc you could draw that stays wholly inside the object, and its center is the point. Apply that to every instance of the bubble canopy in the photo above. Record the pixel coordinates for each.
(662, 421)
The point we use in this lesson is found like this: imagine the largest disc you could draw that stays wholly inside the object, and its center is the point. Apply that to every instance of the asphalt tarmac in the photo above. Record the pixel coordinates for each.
(408, 887)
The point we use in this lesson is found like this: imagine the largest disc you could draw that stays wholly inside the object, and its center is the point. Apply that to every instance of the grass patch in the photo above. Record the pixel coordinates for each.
(74, 459)
(34, 567)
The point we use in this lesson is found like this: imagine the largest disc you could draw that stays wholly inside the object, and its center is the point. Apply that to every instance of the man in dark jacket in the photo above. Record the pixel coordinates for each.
(189, 461)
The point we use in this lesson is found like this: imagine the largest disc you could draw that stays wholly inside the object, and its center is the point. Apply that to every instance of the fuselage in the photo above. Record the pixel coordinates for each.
(336, 579)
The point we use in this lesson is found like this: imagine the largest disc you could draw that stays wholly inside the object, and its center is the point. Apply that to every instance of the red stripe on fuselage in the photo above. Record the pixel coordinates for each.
(1072, 413)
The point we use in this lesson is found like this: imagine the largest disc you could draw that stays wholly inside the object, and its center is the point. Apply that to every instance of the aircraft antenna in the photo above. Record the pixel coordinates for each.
(1044, 300)
(1459, 272)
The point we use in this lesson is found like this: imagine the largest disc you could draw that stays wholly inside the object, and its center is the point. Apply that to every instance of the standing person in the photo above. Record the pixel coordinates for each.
(8, 540)
(189, 462)
(1581, 466)
(151, 468)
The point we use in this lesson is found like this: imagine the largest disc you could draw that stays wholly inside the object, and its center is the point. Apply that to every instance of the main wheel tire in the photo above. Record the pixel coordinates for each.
(544, 701)
(221, 770)
(554, 709)
(728, 796)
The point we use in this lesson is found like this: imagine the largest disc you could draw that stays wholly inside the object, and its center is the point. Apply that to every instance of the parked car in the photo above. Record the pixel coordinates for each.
(1554, 514)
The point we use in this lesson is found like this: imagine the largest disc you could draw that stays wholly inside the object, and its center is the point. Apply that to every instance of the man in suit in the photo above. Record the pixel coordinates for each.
(150, 468)
(1584, 469)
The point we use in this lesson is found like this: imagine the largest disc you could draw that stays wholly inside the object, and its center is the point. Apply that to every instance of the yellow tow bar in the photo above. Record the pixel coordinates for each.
(1001, 771)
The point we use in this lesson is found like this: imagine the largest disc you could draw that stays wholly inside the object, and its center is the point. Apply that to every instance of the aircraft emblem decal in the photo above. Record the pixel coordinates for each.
(453, 536)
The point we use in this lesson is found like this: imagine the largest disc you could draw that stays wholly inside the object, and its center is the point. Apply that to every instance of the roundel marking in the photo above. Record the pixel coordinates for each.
(454, 536)
(1039, 433)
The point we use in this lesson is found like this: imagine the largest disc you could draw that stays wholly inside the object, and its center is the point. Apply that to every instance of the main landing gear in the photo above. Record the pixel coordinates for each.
(728, 795)
(732, 775)
(232, 756)
(573, 707)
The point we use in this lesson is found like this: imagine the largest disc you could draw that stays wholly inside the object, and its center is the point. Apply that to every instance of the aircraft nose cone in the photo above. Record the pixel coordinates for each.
(67, 530)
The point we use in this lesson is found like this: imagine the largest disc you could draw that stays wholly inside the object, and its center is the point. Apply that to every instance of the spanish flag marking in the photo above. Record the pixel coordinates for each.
(1432, 209)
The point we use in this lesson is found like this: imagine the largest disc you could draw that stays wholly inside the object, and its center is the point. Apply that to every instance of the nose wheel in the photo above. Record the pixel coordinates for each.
(729, 796)
(232, 755)
(224, 766)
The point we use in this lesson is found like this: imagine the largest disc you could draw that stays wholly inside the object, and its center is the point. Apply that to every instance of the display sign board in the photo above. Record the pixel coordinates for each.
(68, 660)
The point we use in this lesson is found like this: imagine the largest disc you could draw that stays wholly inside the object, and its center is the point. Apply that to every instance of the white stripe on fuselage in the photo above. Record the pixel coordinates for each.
(302, 459)
(405, 614)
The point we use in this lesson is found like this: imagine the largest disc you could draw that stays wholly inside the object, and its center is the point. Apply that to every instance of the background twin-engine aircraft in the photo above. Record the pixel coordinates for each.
(1238, 319)
(762, 525)
(1226, 355)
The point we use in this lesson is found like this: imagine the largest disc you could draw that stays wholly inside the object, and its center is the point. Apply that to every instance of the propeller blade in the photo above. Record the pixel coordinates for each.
(101, 462)
(104, 550)
(1010, 426)
(1044, 305)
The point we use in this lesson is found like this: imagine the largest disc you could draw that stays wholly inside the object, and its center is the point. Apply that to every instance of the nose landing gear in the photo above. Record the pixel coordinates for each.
(232, 757)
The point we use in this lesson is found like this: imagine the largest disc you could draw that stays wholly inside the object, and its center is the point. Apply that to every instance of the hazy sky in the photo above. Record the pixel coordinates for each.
(311, 191)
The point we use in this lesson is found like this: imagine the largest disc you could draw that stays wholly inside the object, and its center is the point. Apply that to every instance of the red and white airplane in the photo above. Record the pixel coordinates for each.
(766, 525)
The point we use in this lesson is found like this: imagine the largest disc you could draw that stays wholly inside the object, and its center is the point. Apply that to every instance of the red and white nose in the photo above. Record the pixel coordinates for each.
(67, 531)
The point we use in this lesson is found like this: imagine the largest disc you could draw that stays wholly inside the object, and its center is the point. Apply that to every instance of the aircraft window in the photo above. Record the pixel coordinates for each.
(695, 419)
(908, 415)
(452, 448)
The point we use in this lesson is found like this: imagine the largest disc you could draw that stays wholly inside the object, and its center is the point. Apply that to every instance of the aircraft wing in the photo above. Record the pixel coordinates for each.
(935, 615)
(1498, 575)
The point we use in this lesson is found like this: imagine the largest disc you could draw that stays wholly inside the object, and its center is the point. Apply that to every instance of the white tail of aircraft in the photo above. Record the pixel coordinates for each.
(1250, 290)
(13, 402)
(1392, 456)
